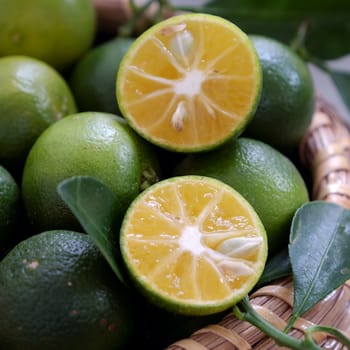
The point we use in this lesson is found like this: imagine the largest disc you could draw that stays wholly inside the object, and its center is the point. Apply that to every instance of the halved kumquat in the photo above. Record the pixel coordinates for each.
(193, 245)
(190, 82)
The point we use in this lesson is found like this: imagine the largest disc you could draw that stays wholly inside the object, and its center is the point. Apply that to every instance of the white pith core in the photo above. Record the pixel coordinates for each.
(191, 84)
(190, 240)
(236, 240)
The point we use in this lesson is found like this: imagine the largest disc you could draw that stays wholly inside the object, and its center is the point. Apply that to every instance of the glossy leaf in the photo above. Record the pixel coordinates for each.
(96, 208)
(319, 250)
(276, 267)
(327, 21)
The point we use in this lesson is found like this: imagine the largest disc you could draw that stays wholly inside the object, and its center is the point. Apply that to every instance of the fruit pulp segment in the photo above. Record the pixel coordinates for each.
(182, 239)
(191, 82)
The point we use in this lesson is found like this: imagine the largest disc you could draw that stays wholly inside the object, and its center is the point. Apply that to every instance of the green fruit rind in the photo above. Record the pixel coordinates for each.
(88, 143)
(287, 101)
(57, 31)
(57, 292)
(9, 206)
(33, 96)
(93, 77)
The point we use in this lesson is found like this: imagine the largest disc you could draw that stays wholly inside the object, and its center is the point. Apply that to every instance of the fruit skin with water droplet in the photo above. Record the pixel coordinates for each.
(96, 144)
(183, 90)
(33, 96)
(287, 100)
(57, 292)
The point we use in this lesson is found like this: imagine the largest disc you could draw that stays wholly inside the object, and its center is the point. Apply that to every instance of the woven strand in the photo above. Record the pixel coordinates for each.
(188, 344)
(280, 292)
(338, 161)
(230, 336)
(341, 147)
(302, 324)
(271, 317)
(334, 189)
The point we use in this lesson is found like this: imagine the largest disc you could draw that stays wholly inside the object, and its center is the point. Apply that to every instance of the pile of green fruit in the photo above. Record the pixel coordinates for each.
(192, 96)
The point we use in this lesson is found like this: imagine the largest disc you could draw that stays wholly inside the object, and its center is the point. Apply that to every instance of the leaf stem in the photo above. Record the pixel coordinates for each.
(245, 312)
(331, 330)
(127, 29)
(298, 46)
(299, 41)
(138, 11)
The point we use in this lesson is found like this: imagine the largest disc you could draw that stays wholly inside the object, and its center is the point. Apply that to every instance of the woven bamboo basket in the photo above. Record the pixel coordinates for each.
(325, 152)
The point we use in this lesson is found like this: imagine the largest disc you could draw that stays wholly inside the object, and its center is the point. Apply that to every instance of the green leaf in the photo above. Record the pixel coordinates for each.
(327, 21)
(341, 80)
(319, 250)
(96, 208)
(277, 267)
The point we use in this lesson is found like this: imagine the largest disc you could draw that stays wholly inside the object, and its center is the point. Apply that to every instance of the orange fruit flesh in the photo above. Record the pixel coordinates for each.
(189, 82)
(194, 241)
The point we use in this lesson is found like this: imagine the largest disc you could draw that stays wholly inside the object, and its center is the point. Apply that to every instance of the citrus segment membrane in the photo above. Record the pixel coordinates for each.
(193, 244)
(189, 82)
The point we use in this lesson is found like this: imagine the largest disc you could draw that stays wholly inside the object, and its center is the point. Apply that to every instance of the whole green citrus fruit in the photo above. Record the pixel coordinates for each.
(57, 292)
(286, 104)
(264, 176)
(89, 143)
(93, 77)
(56, 31)
(9, 206)
(33, 96)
